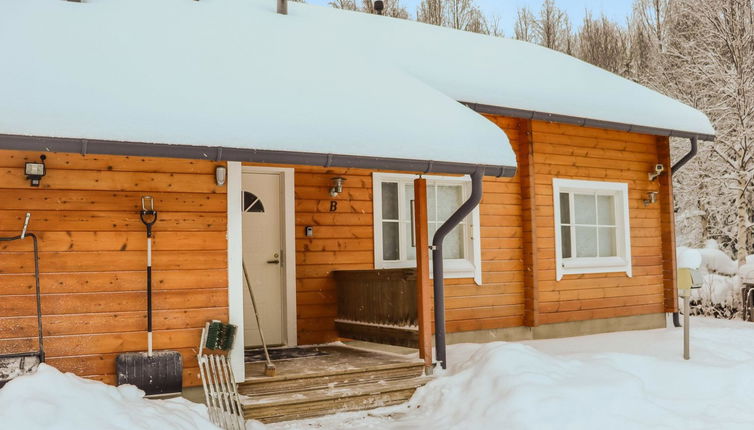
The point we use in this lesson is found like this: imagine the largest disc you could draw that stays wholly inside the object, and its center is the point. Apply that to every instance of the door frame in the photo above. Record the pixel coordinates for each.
(235, 253)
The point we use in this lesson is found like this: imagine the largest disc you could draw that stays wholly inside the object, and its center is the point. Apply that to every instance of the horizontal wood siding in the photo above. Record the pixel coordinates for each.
(93, 257)
(343, 240)
(566, 151)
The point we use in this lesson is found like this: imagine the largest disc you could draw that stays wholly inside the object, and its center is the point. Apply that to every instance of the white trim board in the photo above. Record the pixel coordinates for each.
(620, 263)
(235, 270)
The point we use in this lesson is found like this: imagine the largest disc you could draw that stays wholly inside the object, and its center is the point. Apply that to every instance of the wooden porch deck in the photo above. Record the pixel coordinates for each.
(343, 379)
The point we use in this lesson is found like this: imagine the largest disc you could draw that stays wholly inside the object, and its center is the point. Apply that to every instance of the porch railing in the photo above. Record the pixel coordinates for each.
(378, 305)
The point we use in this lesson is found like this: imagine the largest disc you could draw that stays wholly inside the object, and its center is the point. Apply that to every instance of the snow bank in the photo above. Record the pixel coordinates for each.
(687, 258)
(720, 293)
(51, 400)
(628, 380)
(717, 261)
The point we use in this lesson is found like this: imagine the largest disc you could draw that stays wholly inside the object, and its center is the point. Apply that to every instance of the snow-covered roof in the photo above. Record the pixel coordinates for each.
(235, 74)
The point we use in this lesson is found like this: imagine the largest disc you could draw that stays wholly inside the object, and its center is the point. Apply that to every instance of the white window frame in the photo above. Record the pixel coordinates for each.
(468, 267)
(575, 265)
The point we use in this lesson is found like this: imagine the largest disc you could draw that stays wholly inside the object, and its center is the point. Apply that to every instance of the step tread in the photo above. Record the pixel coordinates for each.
(329, 381)
(337, 372)
(324, 394)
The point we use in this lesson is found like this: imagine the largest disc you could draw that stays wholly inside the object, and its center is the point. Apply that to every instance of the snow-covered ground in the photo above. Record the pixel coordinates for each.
(628, 380)
(51, 400)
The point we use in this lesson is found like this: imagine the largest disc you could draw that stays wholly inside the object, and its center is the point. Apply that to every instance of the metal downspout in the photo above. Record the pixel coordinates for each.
(437, 260)
(680, 163)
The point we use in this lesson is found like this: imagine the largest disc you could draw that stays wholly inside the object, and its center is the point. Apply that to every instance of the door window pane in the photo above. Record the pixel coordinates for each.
(410, 245)
(390, 241)
(607, 242)
(585, 209)
(586, 241)
(389, 200)
(606, 210)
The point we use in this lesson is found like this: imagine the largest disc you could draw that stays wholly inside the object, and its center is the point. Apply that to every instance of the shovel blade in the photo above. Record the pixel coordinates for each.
(160, 374)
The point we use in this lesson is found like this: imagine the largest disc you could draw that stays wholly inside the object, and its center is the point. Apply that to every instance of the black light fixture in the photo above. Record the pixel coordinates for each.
(35, 171)
(379, 6)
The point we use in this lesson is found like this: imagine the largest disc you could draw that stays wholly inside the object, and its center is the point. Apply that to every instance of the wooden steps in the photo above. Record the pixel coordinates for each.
(344, 383)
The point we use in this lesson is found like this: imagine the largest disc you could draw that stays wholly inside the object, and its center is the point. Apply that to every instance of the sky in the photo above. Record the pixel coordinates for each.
(617, 10)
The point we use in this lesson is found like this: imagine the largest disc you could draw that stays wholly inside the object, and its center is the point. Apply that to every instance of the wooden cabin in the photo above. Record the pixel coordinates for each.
(313, 182)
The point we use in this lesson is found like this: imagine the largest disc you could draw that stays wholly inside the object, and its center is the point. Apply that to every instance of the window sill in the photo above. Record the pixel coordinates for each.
(583, 266)
(453, 269)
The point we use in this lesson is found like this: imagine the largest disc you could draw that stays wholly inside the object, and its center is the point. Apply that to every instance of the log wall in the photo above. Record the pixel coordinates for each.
(93, 258)
(571, 152)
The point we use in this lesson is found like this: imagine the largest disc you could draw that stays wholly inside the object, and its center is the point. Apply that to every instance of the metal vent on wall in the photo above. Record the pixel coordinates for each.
(251, 203)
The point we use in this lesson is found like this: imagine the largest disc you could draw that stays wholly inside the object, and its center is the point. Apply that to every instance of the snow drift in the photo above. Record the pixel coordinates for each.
(51, 400)
(628, 380)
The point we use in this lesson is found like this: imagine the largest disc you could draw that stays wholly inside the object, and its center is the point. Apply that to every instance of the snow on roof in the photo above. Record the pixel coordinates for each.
(233, 73)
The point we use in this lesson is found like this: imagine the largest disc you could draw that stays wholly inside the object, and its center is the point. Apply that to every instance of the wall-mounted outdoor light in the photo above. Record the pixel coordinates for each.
(337, 186)
(35, 171)
(220, 174)
(651, 198)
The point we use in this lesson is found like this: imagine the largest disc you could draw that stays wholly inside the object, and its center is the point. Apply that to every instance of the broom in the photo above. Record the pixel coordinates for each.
(269, 368)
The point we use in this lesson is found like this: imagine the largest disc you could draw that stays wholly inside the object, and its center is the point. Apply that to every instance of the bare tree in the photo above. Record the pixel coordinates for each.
(604, 44)
(524, 27)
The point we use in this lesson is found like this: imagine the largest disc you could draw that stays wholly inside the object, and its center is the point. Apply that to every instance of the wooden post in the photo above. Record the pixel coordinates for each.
(526, 176)
(423, 284)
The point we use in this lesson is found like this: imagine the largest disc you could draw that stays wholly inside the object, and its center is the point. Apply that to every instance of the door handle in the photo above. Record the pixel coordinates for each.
(276, 260)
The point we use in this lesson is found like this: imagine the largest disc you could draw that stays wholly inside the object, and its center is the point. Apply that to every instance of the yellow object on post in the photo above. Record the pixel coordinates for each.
(685, 280)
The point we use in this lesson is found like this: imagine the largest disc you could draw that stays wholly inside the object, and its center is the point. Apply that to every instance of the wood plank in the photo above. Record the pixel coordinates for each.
(113, 181)
(33, 199)
(92, 282)
(65, 221)
(83, 303)
(64, 161)
(88, 261)
(118, 241)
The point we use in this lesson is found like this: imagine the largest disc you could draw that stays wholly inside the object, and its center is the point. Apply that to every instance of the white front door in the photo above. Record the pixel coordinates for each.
(262, 255)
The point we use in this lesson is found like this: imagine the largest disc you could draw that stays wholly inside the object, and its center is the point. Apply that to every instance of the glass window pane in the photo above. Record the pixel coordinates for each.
(448, 200)
(565, 209)
(390, 241)
(389, 200)
(586, 241)
(565, 241)
(452, 246)
(607, 242)
(408, 201)
(431, 208)
(606, 210)
(585, 209)
(410, 246)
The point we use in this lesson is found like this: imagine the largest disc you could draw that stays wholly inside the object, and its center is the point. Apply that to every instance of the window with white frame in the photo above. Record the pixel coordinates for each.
(592, 233)
(394, 242)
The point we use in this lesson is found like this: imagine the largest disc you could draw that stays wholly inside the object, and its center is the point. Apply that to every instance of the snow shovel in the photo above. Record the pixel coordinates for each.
(269, 368)
(14, 365)
(156, 372)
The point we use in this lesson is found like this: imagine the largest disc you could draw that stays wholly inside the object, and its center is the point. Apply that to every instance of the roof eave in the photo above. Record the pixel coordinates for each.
(221, 153)
(584, 122)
